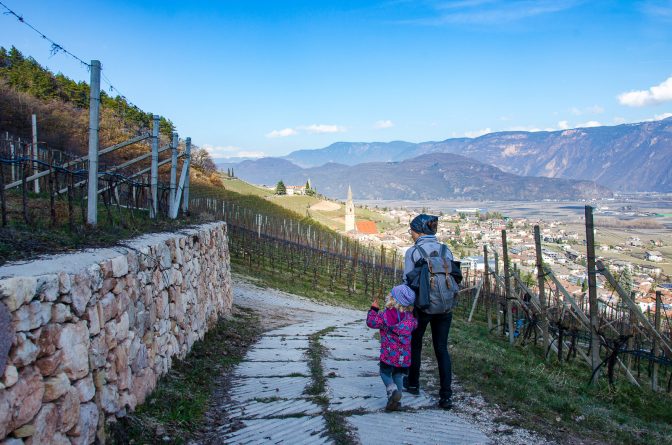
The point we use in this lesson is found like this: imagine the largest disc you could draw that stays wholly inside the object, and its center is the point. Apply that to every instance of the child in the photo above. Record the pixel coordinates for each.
(396, 323)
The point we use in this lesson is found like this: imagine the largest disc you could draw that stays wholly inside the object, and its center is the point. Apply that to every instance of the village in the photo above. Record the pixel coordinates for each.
(467, 230)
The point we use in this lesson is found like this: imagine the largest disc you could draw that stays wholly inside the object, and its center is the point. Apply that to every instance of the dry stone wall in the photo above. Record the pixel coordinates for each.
(89, 333)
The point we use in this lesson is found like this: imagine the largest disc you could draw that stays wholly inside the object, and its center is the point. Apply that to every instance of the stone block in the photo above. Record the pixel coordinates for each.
(60, 313)
(10, 377)
(80, 293)
(46, 424)
(133, 264)
(48, 287)
(55, 387)
(109, 398)
(48, 340)
(84, 432)
(31, 316)
(74, 341)
(20, 403)
(68, 410)
(107, 308)
(14, 292)
(24, 352)
(48, 365)
(119, 266)
(143, 383)
(85, 388)
(93, 317)
(64, 283)
(98, 351)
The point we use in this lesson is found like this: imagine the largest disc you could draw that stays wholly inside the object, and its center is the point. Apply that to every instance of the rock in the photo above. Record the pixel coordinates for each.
(64, 283)
(109, 399)
(48, 340)
(84, 431)
(47, 287)
(85, 388)
(24, 352)
(74, 341)
(14, 292)
(165, 258)
(45, 423)
(68, 410)
(11, 441)
(49, 365)
(122, 327)
(60, 313)
(55, 387)
(10, 377)
(31, 316)
(92, 316)
(6, 336)
(59, 439)
(96, 276)
(119, 266)
(20, 403)
(143, 383)
(107, 308)
(24, 431)
(133, 265)
(80, 293)
(98, 352)
(129, 401)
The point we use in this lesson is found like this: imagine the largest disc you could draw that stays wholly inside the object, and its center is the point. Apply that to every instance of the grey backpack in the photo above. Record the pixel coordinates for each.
(437, 286)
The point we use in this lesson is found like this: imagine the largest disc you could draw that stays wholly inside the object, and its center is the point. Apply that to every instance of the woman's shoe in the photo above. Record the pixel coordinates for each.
(393, 401)
(445, 404)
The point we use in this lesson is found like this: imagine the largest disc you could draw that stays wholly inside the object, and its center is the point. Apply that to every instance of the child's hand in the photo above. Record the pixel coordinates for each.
(375, 303)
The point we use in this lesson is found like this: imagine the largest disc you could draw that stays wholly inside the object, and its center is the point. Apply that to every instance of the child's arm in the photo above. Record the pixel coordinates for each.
(374, 318)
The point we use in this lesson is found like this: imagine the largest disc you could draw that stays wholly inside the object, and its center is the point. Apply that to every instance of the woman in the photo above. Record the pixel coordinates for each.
(423, 231)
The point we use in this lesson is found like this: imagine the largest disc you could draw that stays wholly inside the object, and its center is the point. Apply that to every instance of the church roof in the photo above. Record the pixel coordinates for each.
(367, 227)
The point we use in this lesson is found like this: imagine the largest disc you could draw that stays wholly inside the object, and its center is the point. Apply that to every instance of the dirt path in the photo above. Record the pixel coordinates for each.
(312, 378)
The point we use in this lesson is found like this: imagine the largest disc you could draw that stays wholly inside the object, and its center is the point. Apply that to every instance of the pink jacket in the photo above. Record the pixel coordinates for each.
(395, 335)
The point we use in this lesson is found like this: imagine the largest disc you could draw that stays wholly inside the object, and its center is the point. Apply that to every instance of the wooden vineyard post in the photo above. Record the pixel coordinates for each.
(507, 288)
(487, 296)
(656, 348)
(50, 182)
(592, 295)
(71, 211)
(3, 209)
(542, 290)
(24, 193)
(498, 294)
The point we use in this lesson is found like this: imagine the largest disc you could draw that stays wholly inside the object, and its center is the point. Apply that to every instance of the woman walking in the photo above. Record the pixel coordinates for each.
(426, 246)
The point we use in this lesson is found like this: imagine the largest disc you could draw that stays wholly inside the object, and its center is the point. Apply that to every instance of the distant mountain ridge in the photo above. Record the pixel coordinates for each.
(628, 157)
(431, 176)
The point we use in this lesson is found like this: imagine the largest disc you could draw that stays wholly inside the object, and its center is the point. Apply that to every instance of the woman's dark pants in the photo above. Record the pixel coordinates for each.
(440, 324)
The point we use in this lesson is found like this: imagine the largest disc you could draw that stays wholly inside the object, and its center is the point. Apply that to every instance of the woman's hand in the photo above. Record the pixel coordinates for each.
(375, 303)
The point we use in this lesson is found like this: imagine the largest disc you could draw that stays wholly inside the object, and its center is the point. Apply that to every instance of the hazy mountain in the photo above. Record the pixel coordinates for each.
(431, 176)
(630, 157)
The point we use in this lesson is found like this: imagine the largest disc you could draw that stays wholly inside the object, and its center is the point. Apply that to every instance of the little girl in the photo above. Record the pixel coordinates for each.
(396, 323)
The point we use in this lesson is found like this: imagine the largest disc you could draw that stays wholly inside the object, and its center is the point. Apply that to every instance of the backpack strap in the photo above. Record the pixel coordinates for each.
(424, 255)
(446, 265)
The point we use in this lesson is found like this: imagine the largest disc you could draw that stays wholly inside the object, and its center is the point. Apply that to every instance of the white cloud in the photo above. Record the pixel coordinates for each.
(477, 133)
(589, 124)
(563, 125)
(230, 151)
(285, 132)
(490, 12)
(657, 94)
(595, 109)
(620, 120)
(250, 154)
(323, 128)
(383, 124)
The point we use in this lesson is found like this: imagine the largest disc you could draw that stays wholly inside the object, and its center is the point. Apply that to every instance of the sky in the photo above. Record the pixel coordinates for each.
(264, 78)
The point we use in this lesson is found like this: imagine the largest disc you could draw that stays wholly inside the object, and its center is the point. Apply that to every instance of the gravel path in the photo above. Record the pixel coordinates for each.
(268, 400)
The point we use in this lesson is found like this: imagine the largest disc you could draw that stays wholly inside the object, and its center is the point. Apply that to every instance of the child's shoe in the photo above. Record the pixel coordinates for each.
(393, 403)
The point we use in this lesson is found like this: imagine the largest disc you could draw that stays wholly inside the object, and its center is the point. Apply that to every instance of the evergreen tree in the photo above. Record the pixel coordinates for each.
(280, 188)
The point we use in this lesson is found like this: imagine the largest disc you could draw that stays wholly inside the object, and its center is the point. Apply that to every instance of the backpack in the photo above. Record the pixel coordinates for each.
(435, 281)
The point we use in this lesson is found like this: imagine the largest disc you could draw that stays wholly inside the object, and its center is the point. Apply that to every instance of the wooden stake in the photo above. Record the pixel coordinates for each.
(592, 294)
(507, 288)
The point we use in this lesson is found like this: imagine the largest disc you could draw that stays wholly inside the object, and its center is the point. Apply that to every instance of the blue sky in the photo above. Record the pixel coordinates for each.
(267, 77)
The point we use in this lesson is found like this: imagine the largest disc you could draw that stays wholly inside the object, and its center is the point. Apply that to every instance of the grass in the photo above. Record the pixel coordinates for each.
(21, 241)
(554, 398)
(176, 408)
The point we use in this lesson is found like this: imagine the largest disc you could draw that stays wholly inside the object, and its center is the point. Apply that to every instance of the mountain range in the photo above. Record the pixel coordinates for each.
(511, 165)
(431, 176)
(628, 157)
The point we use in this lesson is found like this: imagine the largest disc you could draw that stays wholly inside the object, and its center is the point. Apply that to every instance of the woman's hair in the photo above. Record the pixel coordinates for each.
(390, 302)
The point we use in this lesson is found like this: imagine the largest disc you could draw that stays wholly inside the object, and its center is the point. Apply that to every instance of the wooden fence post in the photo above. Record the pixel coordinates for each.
(656, 348)
(487, 296)
(542, 290)
(507, 288)
(592, 294)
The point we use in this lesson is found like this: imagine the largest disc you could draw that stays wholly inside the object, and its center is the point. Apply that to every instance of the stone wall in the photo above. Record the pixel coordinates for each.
(90, 333)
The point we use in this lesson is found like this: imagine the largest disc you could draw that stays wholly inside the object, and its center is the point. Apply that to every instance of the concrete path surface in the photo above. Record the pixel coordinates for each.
(270, 401)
